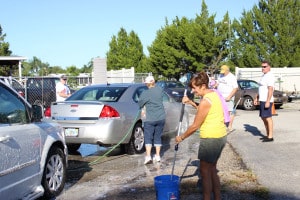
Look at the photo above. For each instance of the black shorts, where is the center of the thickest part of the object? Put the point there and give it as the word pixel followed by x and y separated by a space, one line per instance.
pixel 210 149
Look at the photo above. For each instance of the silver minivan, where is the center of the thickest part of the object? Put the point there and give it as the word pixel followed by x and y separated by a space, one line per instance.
pixel 33 158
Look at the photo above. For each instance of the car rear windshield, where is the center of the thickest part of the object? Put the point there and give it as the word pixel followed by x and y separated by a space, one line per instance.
pixel 106 94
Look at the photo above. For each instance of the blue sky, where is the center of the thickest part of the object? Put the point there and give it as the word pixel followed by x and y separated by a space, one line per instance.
pixel 72 32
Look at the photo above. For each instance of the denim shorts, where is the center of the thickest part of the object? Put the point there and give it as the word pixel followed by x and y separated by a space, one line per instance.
pixel 210 149
pixel 153 131
pixel 265 112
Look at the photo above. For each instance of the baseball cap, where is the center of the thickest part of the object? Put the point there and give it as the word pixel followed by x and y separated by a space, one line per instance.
pixel 64 77
pixel 149 79
pixel 224 68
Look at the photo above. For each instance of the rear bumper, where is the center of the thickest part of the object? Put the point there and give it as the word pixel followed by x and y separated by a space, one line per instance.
pixel 103 132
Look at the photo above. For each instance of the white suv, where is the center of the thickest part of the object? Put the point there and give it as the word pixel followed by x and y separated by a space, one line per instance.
pixel 33 157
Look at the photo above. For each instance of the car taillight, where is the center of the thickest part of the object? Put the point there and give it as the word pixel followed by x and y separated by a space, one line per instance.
pixel 109 111
pixel 47 112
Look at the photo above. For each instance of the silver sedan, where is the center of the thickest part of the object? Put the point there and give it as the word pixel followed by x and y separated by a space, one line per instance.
pixel 108 114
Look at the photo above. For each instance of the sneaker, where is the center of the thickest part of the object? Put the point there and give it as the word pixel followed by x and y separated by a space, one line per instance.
pixel 148 160
pixel 156 158
pixel 263 137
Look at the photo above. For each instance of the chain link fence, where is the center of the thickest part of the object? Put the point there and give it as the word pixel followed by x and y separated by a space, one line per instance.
pixel 42 90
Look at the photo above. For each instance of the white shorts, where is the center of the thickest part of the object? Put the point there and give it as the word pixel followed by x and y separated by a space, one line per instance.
pixel 230 105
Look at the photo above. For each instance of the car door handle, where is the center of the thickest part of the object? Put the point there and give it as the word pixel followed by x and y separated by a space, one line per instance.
pixel 5 139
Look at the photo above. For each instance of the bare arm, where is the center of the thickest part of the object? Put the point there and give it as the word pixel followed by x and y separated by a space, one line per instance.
pixel 270 94
pixel 232 93
pixel 186 100
pixel 62 94
pixel 201 114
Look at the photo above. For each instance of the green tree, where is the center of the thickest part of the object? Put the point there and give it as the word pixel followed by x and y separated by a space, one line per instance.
pixel 35 67
pixel 125 51
pixel 5 70
pixel 4 46
pixel 269 31
pixel 189 45
pixel 56 70
pixel 72 71
pixel 87 68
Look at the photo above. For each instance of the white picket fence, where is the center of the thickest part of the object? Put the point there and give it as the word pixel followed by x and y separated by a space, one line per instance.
pixel 287 79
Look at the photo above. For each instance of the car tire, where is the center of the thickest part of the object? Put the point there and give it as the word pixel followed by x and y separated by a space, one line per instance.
pixel 54 175
pixel 248 103
pixel 73 147
pixel 136 144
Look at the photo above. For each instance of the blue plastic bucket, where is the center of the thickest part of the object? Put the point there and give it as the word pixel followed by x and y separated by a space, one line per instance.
pixel 167 187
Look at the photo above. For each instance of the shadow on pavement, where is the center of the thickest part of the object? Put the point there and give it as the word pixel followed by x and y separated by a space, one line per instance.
pixel 253 130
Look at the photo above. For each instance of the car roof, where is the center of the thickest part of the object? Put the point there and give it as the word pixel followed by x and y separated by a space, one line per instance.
pixel 246 80
pixel 167 81
pixel 117 85
pixel 43 77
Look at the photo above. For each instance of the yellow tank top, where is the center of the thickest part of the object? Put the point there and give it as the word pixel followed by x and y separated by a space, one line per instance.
pixel 213 125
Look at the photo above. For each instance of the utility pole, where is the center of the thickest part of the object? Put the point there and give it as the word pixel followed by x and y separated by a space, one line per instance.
pixel 229 37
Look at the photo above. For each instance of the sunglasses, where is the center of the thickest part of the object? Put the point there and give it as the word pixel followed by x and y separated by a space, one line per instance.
pixel 264 66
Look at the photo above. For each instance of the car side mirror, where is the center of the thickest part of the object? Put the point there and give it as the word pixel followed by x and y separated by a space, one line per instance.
pixel 37 113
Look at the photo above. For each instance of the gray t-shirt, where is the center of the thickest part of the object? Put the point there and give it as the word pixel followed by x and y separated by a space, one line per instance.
pixel 152 99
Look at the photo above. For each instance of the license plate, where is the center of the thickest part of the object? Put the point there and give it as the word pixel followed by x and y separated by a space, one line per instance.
pixel 71 132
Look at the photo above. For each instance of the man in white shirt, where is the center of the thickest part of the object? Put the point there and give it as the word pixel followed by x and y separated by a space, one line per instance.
pixel 228 86
pixel 62 90
pixel 266 100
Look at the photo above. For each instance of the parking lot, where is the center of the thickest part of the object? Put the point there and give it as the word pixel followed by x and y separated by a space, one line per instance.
pixel 276 164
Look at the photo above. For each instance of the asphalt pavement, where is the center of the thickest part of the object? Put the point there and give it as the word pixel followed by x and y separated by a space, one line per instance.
pixel 276 164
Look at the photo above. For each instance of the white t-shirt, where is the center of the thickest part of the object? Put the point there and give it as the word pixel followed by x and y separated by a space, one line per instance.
pixel 226 84
pixel 267 80
pixel 61 88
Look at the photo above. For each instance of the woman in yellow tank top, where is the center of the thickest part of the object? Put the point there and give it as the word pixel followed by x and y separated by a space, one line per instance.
pixel 210 119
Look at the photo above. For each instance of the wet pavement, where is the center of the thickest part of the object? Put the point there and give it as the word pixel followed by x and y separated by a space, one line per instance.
pixel 92 176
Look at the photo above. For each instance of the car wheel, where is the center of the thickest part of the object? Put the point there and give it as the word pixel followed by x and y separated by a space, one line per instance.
pixel 136 143
pixel 54 176
pixel 73 147
pixel 248 103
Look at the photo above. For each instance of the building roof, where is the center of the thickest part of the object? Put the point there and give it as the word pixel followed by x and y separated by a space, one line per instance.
pixel 11 60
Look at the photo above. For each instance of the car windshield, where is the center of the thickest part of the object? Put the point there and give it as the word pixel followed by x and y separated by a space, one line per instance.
pixel 170 84
pixel 248 84
pixel 106 94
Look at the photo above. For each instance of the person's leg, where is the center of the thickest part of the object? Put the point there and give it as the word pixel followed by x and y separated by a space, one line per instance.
pixel 157 136
pixel 157 149
pixel 205 172
pixel 148 138
pixel 269 121
pixel 266 115
pixel 266 126
pixel 216 185
pixel 231 121
pixel 230 106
